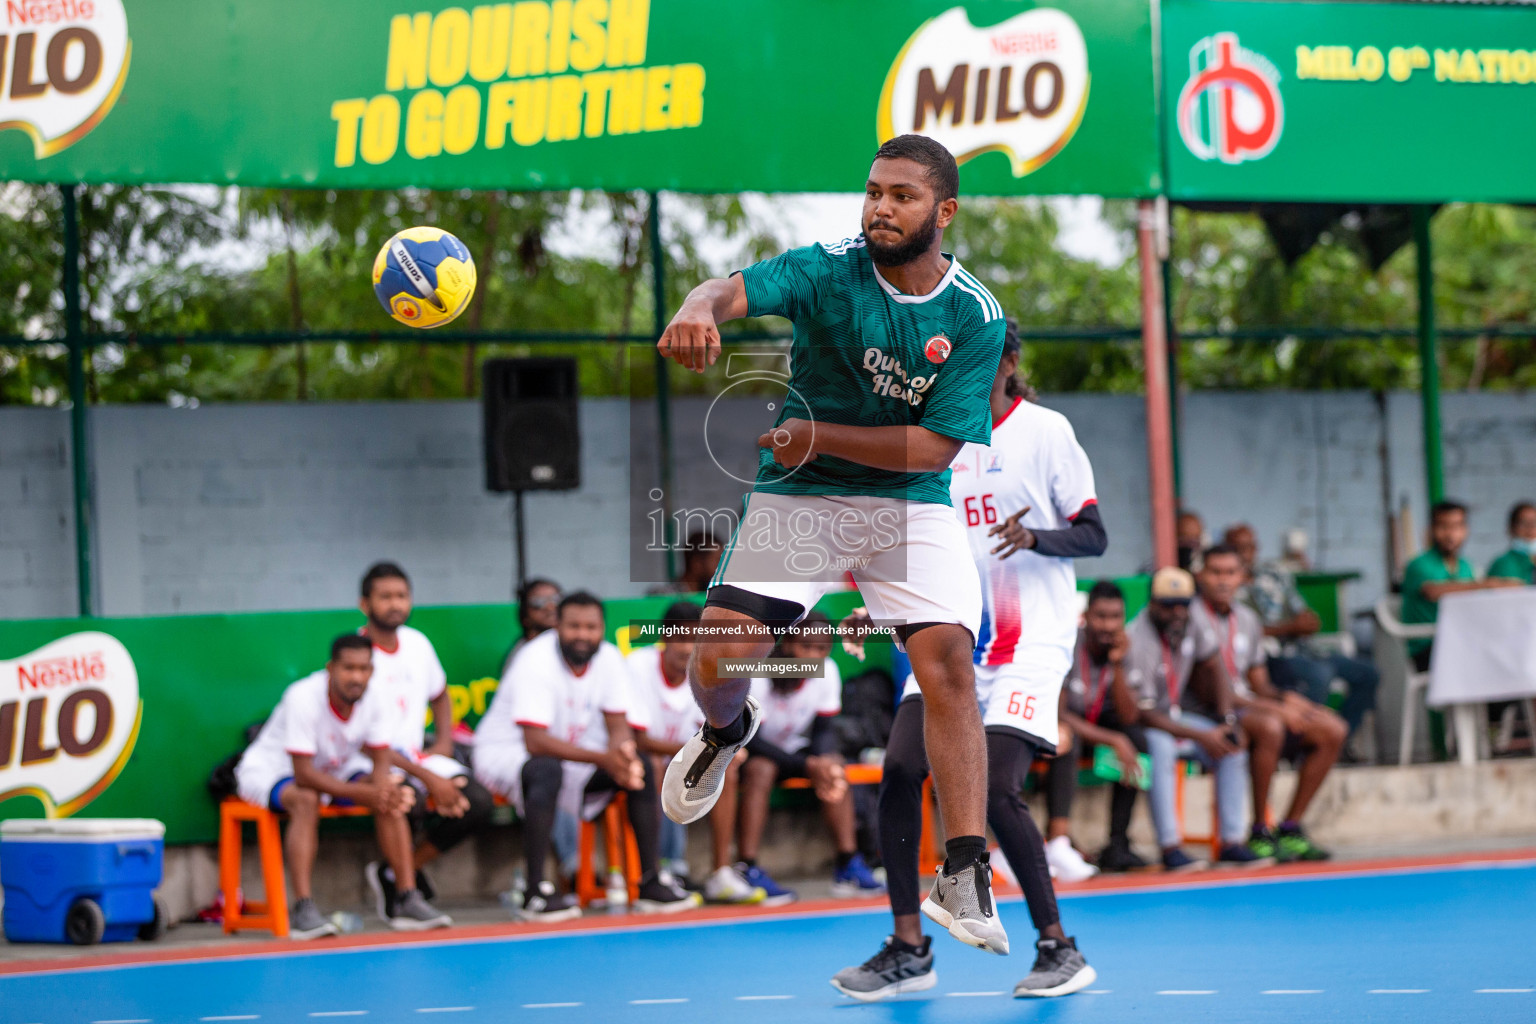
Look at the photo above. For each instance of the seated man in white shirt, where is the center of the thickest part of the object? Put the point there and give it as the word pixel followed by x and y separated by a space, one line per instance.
pixel 664 715
pixel 557 735
pixel 300 761
pixel 797 741
pixel 408 680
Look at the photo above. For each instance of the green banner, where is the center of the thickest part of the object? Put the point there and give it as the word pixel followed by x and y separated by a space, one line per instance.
pixel 1349 101
pixel 694 95
pixel 125 718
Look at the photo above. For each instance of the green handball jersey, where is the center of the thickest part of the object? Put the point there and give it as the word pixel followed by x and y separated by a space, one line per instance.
pixel 865 354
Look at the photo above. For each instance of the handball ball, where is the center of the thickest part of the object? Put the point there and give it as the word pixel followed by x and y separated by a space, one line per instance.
pixel 424 277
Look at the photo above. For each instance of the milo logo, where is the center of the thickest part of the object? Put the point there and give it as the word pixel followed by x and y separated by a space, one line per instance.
pixel 1018 87
pixel 69 717
pixel 62 66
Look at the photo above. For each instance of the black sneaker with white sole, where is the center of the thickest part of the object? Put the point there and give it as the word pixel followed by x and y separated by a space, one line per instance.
pixel 696 773
pixel 1059 970
pixel 660 894
pixel 414 914
pixel 962 904
pixel 896 970
pixel 546 905
pixel 381 882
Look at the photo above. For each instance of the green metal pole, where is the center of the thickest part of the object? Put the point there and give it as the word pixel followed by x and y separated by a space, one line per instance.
pixel 1429 357
pixel 663 388
pixel 75 340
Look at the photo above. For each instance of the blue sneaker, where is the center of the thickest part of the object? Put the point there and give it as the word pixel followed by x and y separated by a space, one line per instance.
pixel 760 879
pixel 1175 859
pixel 856 880
pixel 1241 855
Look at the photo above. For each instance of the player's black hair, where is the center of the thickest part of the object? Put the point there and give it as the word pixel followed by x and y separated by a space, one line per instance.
pixel 1016 386
pixel 1445 508
pixel 1216 551
pixel 943 173
pixel 381 571
pixel 680 613
pixel 350 642
pixel 1106 590
pixel 1514 513
pixel 580 599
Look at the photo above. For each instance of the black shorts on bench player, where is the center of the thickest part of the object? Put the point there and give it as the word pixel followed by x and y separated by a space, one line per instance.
pixel 409 681
pixel 556 736
pixel 1026 506
pixel 889 330
pixel 306 756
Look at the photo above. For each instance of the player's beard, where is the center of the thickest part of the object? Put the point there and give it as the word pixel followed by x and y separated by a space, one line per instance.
pixel 578 653
pixel 909 248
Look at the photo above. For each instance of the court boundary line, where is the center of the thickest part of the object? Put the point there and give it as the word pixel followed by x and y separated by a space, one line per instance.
pixel 513 931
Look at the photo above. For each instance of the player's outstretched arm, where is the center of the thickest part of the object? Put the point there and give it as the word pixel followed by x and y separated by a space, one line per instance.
pixel 693 336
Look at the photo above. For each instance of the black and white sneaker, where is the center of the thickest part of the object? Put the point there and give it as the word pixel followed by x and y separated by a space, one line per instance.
pixel 696 773
pixel 661 894
pixel 306 922
pixel 896 970
pixel 414 914
pixel 547 906
pixel 962 904
pixel 381 882
pixel 1059 970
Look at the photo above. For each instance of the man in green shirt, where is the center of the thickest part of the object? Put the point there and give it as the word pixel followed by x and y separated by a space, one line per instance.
pixel 894 355
pixel 1437 572
pixel 1519 562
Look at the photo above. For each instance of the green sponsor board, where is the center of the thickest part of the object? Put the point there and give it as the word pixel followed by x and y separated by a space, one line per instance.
pixel 1349 101
pixel 127 717
pixel 696 95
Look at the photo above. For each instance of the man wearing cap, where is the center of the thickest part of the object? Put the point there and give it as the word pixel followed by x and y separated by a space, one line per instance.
pixel 1158 665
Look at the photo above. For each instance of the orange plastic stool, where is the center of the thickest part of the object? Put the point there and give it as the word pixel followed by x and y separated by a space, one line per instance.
pixel 620 849
pixel 1214 838
pixel 271 913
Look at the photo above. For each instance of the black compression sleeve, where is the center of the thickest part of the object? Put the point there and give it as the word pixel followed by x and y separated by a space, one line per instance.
pixel 1085 538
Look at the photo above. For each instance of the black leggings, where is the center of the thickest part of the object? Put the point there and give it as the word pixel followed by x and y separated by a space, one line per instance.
pixel 1009 755
pixel 1061 785
pixel 542 777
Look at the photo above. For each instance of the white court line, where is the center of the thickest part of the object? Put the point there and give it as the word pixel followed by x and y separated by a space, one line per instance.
pixel 235 1016
pixel 654 1002
pixel 547 1006
pixel 1187 992
pixel 962 995
pixel 1398 991
pixel 1496 991
pixel 444 1009
pixel 137 1020
pixel 754 999
pixel 1293 992
pixel 339 1013
pixel 1097 991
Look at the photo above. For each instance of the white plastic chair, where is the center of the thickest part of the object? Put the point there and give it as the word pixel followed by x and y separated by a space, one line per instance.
pixel 1415 683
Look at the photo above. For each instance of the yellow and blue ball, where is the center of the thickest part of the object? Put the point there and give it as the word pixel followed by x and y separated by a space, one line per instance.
pixel 424 277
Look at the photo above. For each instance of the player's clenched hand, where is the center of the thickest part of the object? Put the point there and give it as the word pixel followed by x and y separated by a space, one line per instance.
pixel 827 777
pixel 791 442
pixel 1015 535
pixel 447 798
pixel 692 338
pixel 624 766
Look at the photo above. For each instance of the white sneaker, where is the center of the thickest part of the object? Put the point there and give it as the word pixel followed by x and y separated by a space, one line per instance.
pixel 696 773
pixel 1066 863
pixel 726 886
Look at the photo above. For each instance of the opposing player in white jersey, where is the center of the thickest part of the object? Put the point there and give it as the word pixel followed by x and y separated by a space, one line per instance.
pixel 664 714
pixel 1028 505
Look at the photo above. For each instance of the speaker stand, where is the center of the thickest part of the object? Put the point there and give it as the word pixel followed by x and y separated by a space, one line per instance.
pixel 518 530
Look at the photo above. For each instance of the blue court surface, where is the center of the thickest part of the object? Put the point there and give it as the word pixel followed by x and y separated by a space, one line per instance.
pixel 1446 945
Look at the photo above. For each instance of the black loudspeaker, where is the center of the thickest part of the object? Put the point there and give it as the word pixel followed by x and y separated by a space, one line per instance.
pixel 532 442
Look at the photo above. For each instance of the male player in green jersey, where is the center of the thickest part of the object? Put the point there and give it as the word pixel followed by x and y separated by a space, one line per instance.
pixel 894 353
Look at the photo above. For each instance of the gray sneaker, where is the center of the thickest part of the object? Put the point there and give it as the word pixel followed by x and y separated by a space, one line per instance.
pixel 414 914
pixel 962 904
pixel 306 922
pixel 1059 970
pixel 696 773
pixel 897 969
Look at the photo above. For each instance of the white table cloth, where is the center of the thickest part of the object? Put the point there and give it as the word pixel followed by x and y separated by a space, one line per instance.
pixel 1485 647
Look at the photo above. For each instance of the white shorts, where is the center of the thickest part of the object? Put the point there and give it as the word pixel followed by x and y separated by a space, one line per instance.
pixel 910 559
pixel 1024 695
pixel 500 770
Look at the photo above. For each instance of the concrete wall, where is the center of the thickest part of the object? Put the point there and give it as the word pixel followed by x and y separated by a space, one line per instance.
pixel 249 507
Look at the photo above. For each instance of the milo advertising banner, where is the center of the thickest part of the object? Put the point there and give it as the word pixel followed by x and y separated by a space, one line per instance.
pixel 126 718
pixel 1349 101
pixel 772 95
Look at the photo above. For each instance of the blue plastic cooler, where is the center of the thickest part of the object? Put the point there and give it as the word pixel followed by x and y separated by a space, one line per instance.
pixel 82 880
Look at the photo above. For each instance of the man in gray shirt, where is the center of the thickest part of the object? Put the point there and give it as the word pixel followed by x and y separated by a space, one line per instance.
pixel 1159 663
